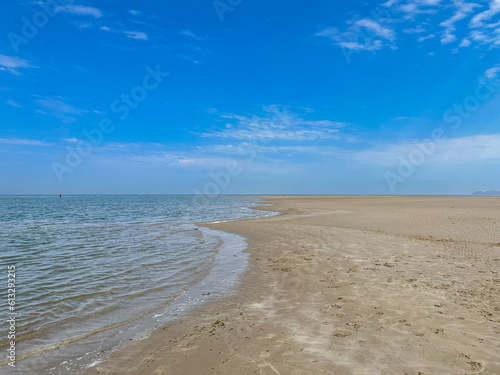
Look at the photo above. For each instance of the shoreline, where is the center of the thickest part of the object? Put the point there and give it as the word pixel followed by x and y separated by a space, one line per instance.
pixel 227 262
pixel 328 289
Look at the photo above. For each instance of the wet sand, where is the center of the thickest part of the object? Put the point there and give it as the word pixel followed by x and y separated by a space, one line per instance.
pixel 346 285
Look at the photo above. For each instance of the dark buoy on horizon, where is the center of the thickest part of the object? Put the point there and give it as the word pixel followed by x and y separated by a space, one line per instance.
pixel 60 195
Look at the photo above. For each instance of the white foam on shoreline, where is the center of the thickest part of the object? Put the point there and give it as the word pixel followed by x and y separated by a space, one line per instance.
pixel 230 263
pixel 245 218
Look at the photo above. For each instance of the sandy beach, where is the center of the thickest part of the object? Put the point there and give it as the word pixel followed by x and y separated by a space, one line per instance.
pixel 346 285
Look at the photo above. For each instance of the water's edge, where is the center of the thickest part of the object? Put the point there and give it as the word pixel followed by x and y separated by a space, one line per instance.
pixel 230 262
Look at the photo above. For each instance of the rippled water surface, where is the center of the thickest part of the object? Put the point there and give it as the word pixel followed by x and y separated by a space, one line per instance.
pixel 88 264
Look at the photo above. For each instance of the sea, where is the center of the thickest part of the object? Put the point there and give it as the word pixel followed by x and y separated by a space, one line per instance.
pixel 93 271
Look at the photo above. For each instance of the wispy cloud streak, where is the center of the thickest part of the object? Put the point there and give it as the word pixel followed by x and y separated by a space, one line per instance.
pixel 449 151
pixel 276 125
pixel 79 10
pixel 433 17
pixel 12 64
pixel 24 142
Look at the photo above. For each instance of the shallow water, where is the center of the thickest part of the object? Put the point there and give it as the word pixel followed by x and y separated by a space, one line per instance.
pixel 92 269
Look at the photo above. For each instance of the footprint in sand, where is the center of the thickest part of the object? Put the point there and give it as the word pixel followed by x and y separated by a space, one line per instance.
pixel 342 334
pixel 476 366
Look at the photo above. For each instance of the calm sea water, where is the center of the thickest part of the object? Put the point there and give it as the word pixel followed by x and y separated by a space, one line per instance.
pixel 98 269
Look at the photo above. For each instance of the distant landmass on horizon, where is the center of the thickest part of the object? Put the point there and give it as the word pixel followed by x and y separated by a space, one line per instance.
pixel 495 193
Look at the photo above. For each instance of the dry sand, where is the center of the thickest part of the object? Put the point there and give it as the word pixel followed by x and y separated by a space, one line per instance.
pixel 347 285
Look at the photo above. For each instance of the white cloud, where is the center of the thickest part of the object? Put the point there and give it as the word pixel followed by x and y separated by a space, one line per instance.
pixel 465 43
pixel 139 35
pixel 120 146
pixel 194 61
pixel 414 8
pixel 448 37
pixel 483 37
pixel 430 36
pixel 80 10
pixel 12 64
pixel 84 25
pixel 276 125
pixel 416 30
pixel 71 140
pixel 13 103
pixel 266 149
pixel 492 73
pixel 57 107
pixel 365 34
pixel 478 25
pixel 479 36
pixel 478 20
pixel 191 34
pixel 389 3
pixel 376 28
pixel 463 10
pixel 136 35
pixel 23 142
pixel 200 160
pixel 135 12
pixel 449 151
pixel 181 159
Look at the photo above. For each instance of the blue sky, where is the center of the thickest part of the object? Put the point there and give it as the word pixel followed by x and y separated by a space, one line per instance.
pixel 231 96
